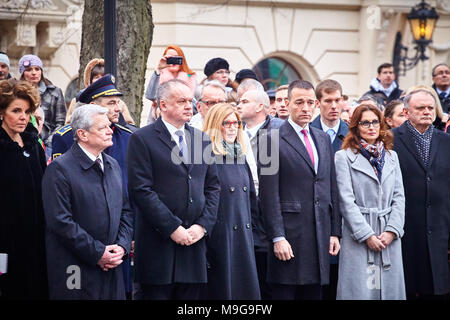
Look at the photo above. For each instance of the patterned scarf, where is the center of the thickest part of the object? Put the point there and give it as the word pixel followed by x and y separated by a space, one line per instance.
pixel 233 150
pixel 375 154
pixel 422 141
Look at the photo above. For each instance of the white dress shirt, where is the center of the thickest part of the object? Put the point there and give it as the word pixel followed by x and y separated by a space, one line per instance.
pixel 92 157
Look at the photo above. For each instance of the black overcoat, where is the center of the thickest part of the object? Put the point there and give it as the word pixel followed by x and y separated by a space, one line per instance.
pixel 427 212
pixel 167 194
pixel 85 211
pixel 302 206
pixel 232 271
pixel 22 225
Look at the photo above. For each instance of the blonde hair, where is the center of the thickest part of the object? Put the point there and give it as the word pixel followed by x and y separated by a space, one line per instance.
pixel 439 113
pixel 212 126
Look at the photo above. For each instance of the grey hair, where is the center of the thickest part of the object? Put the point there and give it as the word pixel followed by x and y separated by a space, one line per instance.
pixel 408 97
pixel 83 117
pixel 164 91
pixel 261 97
pixel 249 84
pixel 213 83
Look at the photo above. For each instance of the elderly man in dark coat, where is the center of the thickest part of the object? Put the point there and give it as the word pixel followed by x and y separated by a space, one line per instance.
pixel 173 182
pixel 299 202
pixel 424 160
pixel 89 222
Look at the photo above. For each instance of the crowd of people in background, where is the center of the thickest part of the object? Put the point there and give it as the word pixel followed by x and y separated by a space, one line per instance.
pixel 228 192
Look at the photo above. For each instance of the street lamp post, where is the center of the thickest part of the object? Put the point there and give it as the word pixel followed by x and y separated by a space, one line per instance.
pixel 422 20
pixel 110 37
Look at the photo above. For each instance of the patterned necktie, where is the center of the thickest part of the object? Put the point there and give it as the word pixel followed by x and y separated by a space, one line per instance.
pixel 181 144
pixel 308 145
pixel 331 134
pixel 98 162
pixel 442 95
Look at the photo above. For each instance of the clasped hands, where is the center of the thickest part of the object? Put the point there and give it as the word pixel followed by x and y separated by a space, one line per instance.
pixel 378 243
pixel 187 237
pixel 112 257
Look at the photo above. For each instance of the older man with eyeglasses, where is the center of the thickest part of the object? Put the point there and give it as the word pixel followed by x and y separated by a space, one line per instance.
pixel 213 92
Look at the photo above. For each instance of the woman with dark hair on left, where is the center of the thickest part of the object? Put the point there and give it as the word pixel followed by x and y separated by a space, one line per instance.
pixel 22 165
pixel 372 204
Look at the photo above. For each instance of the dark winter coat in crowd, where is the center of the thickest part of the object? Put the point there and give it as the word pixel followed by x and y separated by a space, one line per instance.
pixel 85 210
pixel 231 260
pixel 166 195
pixel 427 212
pixel 54 107
pixel 376 89
pixel 258 143
pixel 301 206
pixel 445 101
pixel 22 225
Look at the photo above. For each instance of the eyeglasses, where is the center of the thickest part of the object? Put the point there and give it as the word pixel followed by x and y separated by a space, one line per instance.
pixel 366 124
pixel 441 73
pixel 211 103
pixel 228 124
pixel 221 72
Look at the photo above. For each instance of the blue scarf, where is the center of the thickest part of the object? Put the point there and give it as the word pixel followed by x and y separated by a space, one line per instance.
pixel 374 153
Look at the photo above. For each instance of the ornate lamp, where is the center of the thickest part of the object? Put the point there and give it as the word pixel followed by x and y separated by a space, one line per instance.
pixel 422 20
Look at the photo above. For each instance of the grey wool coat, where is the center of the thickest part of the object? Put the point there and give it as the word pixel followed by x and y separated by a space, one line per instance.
pixel 368 208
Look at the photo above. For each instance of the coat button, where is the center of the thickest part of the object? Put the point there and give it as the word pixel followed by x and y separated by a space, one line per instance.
pixel 245 189
pixel 191 200
pixel 235 227
pixel 247 225
pixel 316 202
pixel 428 178
pixel 232 189
pixel 189 177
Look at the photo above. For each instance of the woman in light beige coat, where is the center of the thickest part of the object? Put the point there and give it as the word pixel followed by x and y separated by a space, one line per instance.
pixel 372 204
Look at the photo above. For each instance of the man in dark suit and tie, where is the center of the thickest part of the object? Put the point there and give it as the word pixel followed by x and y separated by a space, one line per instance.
pixel 329 97
pixel 299 202
pixel 330 101
pixel 173 183
pixel 424 152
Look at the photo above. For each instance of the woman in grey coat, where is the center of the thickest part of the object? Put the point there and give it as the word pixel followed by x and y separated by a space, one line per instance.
pixel 372 204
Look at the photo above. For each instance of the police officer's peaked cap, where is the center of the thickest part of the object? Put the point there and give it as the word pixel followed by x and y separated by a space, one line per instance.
pixel 103 87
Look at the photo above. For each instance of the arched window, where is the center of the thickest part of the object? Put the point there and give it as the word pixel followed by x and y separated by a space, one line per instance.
pixel 274 72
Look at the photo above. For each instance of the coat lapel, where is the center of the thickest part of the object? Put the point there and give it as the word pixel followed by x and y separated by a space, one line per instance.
pixel 408 141
pixel 288 133
pixel 165 137
pixel 320 144
pixel 434 146
pixel 389 166
pixel 361 164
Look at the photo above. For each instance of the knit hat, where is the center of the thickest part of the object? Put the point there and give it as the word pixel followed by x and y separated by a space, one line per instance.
pixel 4 59
pixel 245 73
pixel 29 60
pixel 215 64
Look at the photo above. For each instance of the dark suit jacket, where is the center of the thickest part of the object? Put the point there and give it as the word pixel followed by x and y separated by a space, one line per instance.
pixel 167 195
pixel 85 211
pixel 259 143
pixel 302 206
pixel 427 212
pixel 340 135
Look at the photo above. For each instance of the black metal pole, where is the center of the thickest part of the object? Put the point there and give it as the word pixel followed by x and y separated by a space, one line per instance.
pixel 110 37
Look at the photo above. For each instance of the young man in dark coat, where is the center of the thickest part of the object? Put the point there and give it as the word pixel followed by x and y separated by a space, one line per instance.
pixel 424 153
pixel 299 202
pixel 384 85
pixel 330 102
pixel 89 221
pixel 173 183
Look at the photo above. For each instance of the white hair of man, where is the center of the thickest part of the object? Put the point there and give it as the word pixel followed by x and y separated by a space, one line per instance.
pixel 247 85
pixel 408 97
pixel 83 117
pixel 213 83
pixel 261 97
